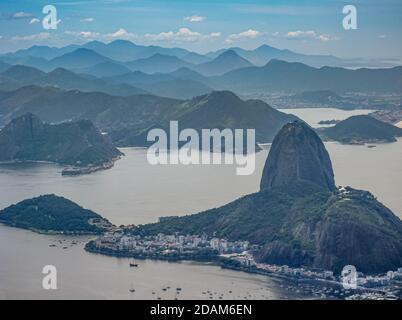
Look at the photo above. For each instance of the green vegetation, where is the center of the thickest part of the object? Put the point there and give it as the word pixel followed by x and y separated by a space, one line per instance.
pixel 295 229
pixel 52 214
pixel 259 217
pixel 74 143
pixel 362 129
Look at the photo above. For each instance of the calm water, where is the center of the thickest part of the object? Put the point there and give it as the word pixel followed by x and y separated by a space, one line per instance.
pixel 136 192
pixel 313 116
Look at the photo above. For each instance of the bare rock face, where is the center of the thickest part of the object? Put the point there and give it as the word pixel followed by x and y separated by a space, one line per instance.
pixel 338 229
pixel 297 155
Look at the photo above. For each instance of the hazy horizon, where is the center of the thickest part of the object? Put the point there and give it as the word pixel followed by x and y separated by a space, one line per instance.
pixel 308 26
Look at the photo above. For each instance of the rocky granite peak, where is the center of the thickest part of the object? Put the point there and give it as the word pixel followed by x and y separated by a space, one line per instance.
pixel 297 155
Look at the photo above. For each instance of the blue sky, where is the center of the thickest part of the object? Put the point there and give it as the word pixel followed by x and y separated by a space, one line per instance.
pixel 313 26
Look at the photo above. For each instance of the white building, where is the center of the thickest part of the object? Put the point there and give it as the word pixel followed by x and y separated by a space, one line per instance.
pixel 214 243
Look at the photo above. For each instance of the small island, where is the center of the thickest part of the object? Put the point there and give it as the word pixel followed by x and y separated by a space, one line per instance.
pixel 54 215
pixel 361 129
pixel 79 145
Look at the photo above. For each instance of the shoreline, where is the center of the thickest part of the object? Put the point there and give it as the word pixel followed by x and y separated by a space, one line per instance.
pixel 72 171
pixel 49 232
pixel 298 282
pixel 69 170
pixel 307 287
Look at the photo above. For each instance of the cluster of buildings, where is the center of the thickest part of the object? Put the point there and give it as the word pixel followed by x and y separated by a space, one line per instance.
pixel 366 281
pixel 380 280
pixel 162 244
pixel 237 253
pixel 369 287
pixel 297 272
pixel 245 259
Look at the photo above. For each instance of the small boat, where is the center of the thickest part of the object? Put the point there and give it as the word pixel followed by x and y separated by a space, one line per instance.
pixel 132 290
pixel 133 264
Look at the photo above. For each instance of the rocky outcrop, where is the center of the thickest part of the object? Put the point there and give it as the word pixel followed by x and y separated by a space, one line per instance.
pixel 53 214
pixel 351 227
pixel 362 129
pixel 299 218
pixel 72 143
pixel 297 155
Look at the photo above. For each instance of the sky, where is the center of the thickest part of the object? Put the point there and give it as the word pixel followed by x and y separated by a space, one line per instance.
pixel 306 26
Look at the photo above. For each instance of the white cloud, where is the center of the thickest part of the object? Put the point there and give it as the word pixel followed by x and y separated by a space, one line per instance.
pixel 195 18
pixel 22 15
pixel 32 37
pixel 89 20
pixel 34 20
pixel 249 34
pixel 308 35
pixel 82 34
pixel 120 34
pixel 382 36
pixel 182 35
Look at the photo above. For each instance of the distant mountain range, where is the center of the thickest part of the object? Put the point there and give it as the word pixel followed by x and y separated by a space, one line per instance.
pixel 128 119
pixel 4 66
pixel 183 83
pixel 80 58
pixel 261 55
pixel 225 62
pixel 124 68
pixel 281 76
pixel 90 61
pixel 157 63
pixel 123 51
pixel 19 76
pixel 313 85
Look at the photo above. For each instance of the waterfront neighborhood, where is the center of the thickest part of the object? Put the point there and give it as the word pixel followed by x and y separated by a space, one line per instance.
pixel 170 247
pixel 238 255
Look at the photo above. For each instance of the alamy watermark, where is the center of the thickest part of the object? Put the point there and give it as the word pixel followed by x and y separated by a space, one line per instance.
pixel 349 277
pixel 350 20
pixel 49 281
pixel 215 146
